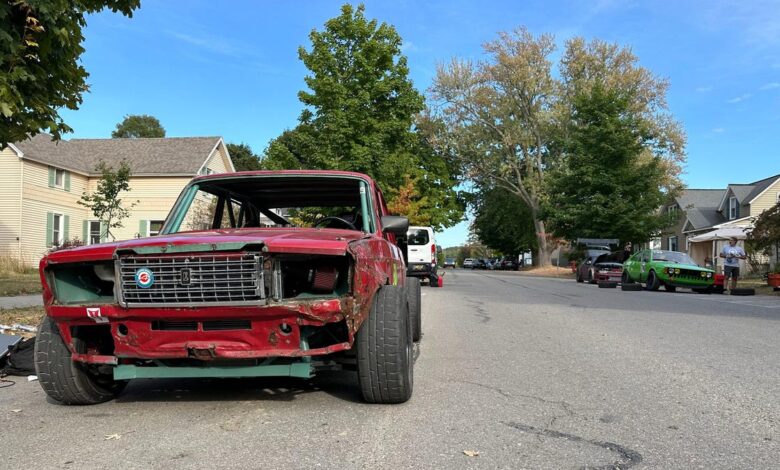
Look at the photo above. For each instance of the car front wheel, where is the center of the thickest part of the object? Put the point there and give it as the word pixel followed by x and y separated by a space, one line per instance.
pixel 66 381
pixel 652 282
pixel 384 344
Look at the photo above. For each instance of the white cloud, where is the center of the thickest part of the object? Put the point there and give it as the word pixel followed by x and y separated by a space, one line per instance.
pixel 703 89
pixel 737 99
pixel 719 130
pixel 211 44
pixel 771 86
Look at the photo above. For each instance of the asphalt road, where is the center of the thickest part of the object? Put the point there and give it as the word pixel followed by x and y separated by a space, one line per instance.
pixel 529 372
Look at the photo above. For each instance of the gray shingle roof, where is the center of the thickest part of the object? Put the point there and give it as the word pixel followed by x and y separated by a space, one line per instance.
pixel 701 207
pixel 759 187
pixel 160 156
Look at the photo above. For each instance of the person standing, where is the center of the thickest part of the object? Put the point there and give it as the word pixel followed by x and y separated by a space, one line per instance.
pixel 732 254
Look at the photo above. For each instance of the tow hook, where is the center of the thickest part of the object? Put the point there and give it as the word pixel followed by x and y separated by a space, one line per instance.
pixel 204 354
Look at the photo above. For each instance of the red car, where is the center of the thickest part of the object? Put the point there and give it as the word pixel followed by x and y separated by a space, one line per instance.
pixel 600 266
pixel 253 274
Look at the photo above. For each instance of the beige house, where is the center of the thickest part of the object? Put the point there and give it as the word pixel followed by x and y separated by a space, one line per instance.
pixel 41 182
pixel 701 211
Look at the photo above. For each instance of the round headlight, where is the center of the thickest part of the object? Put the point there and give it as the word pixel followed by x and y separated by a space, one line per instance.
pixel 670 270
pixel 677 271
pixel 709 274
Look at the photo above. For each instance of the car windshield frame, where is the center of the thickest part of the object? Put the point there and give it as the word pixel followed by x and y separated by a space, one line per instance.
pixel 676 257
pixel 216 186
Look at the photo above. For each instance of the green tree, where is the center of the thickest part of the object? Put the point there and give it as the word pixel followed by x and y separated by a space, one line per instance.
pixel 360 110
pixel 104 202
pixel 502 222
pixel 610 182
pixel 244 159
pixel 508 117
pixel 40 47
pixel 138 125
pixel 765 234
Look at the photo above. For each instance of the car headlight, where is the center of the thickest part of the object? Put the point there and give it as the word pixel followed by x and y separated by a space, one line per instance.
pixel 703 274
pixel 677 271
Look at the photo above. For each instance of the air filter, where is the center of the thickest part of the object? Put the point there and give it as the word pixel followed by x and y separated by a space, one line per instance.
pixel 324 279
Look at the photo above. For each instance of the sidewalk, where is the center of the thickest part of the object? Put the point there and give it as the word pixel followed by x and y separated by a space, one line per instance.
pixel 21 301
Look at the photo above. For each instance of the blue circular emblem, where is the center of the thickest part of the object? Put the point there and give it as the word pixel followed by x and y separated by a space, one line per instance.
pixel 144 278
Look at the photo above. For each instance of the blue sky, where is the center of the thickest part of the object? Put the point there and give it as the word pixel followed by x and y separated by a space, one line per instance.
pixel 231 68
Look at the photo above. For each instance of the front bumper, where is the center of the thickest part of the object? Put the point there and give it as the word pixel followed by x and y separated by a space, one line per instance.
pixel 205 333
pixel 420 270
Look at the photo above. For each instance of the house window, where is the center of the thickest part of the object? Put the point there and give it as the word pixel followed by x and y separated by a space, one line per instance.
pixel 94 232
pixel 57 229
pixel 59 178
pixel 154 227
pixel 673 244
pixel 672 210
pixel 207 171
pixel 733 208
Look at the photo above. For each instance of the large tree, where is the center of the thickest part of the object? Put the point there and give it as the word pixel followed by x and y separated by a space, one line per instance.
pixel 765 234
pixel 502 222
pixel 244 159
pixel 138 125
pixel 508 117
pixel 609 183
pixel 40 47
pixel 360 111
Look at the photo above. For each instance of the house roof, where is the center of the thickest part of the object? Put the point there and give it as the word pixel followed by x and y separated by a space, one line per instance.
pixel 746 193
pixel 147 156
pixel 690 198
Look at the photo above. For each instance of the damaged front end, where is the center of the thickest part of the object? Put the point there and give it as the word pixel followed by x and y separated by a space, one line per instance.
pixel 177 311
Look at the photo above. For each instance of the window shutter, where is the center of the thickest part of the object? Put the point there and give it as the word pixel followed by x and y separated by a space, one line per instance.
pixel 85 232
pixel 143 228
pixel 67 181
pixel 51 177
pixel 66 229
pixel 49 226
pixel 103 232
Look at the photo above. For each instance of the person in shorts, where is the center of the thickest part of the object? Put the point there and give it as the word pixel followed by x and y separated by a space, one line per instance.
pixel 732 254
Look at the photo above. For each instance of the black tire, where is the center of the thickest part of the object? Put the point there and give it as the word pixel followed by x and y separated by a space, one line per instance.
pixel 652 282
pixel 631 286
pixel 669 288
pixel 607 285
pixel 590 277
pixel 434 280
pixel 625 278
pixel 66 381
pixel 743 291
pixel 384 349
pixel 414 296
pixel 578 277
pixel 718 289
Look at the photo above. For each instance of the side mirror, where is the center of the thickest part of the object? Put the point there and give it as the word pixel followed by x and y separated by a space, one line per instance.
pixel 589 262
pixel 395 224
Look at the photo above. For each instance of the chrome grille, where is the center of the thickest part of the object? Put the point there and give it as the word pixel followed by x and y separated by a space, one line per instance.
pixel 192 279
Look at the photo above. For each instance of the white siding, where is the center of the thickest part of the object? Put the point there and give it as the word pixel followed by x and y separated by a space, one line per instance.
pixel 10 212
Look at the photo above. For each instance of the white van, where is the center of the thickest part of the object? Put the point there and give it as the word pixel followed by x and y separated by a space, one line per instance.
pixel 421 254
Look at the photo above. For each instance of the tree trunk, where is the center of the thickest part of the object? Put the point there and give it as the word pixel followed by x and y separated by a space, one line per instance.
pixel 543 254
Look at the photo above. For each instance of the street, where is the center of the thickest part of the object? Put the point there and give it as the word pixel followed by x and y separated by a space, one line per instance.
pixel 527 372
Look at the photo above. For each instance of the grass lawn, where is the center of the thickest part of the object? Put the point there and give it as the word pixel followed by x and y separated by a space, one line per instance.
pixel 24 315
pixel 19 283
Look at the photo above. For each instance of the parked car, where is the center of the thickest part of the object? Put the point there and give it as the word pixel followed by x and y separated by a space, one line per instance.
pixel 601 267
pixel 479 263
pixel 232 288
pixel 583 271
pixel 509 263
pixel 670 269
pixel 421 254
pixel 449 263
pixel 468 263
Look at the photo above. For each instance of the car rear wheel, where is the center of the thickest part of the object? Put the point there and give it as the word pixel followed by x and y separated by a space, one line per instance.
pixel 66 381
pixel 590 277
pixel 652 282
pixel 414 297
pixel 384 349
pixel 578 276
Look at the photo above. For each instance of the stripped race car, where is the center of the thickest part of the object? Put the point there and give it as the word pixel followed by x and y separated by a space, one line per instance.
pixel 670 269
pixel 253 274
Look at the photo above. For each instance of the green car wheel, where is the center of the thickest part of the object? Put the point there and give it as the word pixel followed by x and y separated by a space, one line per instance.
pixel 652 282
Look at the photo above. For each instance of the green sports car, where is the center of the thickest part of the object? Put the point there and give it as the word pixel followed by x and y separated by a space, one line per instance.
pixel 671 269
